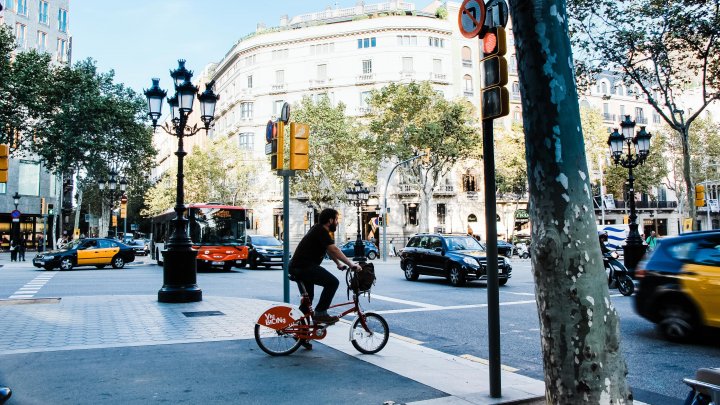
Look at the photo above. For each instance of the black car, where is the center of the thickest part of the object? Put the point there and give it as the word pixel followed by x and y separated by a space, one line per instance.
pixel 140 246
pixel 264 251
pixel 98 252
pixel 458 258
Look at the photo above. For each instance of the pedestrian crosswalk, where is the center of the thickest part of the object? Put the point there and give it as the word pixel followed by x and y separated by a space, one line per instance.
pixel 32 287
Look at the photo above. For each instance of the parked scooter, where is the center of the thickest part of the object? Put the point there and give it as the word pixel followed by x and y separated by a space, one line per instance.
pixel 705 388
pixel 522 250
pixel 618 277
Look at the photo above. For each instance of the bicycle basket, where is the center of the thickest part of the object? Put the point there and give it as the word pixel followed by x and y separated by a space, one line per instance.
pixel 361 281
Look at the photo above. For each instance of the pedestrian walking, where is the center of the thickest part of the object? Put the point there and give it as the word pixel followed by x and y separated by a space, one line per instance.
pixel 651 241
pixel 40 243
pixel 13 250
pixel 392 248
pixel 21 250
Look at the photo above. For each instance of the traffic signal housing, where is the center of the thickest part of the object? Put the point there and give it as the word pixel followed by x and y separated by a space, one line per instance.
pixel 277 155
pixel 43 207
pixel 51 209
pixel 495 97
pixel 699 195
pixel 4 162
pixel 299 146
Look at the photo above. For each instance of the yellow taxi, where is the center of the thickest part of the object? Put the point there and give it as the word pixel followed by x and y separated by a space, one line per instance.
pixel 98 252
pixel 679 285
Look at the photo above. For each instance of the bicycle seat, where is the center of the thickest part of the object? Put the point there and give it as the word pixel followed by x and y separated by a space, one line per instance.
pixel 709 375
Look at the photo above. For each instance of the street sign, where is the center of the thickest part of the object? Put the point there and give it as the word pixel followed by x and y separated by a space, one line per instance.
pixel 285 113
pixel 15 214
pixel 471 17
pixel 268 148
pixel 269 132
pixel 713 205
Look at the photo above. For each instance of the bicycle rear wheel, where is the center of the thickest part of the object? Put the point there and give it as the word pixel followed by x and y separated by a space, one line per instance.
pixel 276 342
pixel 375 338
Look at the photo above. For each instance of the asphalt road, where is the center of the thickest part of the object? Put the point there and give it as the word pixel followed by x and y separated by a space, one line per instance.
pixel 453 320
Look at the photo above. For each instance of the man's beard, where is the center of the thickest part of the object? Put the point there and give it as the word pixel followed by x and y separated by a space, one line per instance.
pixel 332 227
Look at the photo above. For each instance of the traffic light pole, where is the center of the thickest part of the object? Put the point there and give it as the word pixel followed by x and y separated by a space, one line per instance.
pixel 493 288
pixel 286 174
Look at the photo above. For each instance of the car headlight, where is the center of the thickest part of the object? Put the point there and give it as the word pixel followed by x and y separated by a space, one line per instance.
pixel 470 261
pixel 260 250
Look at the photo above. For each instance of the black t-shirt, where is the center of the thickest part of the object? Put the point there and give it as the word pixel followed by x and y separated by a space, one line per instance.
pixel 312 248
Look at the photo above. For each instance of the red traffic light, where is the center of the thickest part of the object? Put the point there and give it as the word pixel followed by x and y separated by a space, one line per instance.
pixel 489 43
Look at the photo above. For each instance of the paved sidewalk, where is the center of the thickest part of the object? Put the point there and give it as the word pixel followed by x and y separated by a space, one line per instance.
pixel 49 347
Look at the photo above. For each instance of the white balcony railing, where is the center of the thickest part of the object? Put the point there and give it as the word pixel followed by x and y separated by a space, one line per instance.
pixel 366 78
pixel 278 88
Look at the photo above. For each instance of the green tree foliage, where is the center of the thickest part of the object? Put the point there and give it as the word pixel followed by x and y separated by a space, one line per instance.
pixel 408 119
pixel 511 166
pixel 662 48
pixel 340 152
pixel 220 173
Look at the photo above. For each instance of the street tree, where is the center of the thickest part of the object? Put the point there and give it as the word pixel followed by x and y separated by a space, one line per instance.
pixel 341 151
pixel 511 173
pixel 580 334
pixel 666 51
pixel 410 119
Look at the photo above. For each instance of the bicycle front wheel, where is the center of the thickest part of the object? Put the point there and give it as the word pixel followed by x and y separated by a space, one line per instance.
pixel 372 339
pixel 276 342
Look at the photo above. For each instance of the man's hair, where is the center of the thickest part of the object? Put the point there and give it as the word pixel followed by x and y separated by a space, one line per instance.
pixel 326 215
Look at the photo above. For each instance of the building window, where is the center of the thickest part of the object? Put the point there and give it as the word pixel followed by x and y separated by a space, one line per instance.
pixel 61 50
pixel 250 60
pixel 407 40
pixel 441 211
pixel 279 54
pixel 277 107
pixel 436 42
pixel 364 97
pixel 517 115
pixel 469 182
pixel 466 56
pixel 42 41
pixel 29 178
pixel 603 88
pixel 516 89
pixel 366 43
pixel 246 110
pixel 619 90
pixel 62 20
pixel 407 65
pixel 639 113
pixel 279 77
pixel 249 82
pixel 468 84
pixel 322 72
pixel 437 66
pixel 322 49
pixel 22 7
pixel 656 118
pixel 622 111
pixel 367 66
pixel 10 4
pixel 43 12
pixel 20 31
pixel 245 140
pixel 411 217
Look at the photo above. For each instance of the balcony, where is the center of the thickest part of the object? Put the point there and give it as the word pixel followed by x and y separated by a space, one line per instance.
pixel 515 96
pixel 278 88
pixel 609 117
pixel 655 205
pixel 641 120
pixel 365 78
pixel 407 75
pixel 444 191
pixel 472 195
pixel 363 111
pixel 318 84
pixel 407 190
pixel 467 63
pixel 468 93
pixel 440 78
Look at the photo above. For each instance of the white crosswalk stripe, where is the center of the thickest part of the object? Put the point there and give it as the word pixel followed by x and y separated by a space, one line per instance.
pixel 32 287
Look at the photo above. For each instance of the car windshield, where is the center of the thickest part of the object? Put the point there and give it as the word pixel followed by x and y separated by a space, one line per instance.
pixel 73 244
pixel 137 243
pixel 265 241
pixel 463 243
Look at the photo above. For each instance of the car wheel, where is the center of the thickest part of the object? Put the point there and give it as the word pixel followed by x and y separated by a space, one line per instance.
pixel 410 271
pixel 372 255
pixel 118 262
pixel 456 276
pixel 677 321
pixel 66 263
pixel 252 261
pixel 99 266
pixel 502 281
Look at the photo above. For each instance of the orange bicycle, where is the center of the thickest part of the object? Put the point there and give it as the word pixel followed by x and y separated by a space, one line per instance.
pixel 282 329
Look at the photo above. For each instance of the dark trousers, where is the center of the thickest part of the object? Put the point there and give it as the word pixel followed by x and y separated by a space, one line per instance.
pixel 317 275
pixel 13 255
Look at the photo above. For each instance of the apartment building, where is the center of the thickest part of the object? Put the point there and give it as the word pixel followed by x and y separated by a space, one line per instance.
pixel 42 25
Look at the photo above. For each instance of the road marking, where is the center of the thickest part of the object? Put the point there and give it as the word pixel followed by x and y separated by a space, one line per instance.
pixel 32 287
pixel 406 302
pixel 486 362
pixel 437 308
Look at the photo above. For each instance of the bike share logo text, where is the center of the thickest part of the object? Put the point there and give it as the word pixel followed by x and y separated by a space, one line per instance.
pixel 272 319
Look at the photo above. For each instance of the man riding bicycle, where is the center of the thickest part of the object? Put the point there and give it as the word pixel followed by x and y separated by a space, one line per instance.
pixel 309 254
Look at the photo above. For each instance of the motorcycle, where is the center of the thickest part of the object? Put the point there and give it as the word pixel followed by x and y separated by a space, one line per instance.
pixel 618 277
pixel 705 388
pixel 522 250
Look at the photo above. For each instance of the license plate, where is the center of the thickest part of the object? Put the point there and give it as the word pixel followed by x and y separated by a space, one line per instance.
pixel 276 259
pixel 218 263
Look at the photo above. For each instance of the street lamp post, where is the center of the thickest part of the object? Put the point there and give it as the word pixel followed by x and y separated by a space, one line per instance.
pixel 633 249
pixel 358 195
pixel 179 264
pixel 16 221
pixel 109 190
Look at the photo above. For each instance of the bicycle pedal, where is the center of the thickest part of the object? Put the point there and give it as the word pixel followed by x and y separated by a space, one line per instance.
pixel 320 332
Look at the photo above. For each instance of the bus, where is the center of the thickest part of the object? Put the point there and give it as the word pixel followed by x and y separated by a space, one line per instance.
pixel 217 233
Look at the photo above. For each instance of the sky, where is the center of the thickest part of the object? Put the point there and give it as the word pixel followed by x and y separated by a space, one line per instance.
pixel 142 39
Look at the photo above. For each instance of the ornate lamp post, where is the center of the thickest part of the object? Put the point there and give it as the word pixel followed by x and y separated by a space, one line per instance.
pixel 109 189
pixel 633 248
pixel 16 221
pixel 358 196
pixel 180 267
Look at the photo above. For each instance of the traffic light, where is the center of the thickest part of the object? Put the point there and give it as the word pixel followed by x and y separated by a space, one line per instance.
pixel 123 210
pixel 50 209
pixel 114 219
pixel 495 97
pixel 277 155
pixel 42 206
pixel 699 195
pixel 299 146
pixel 4 162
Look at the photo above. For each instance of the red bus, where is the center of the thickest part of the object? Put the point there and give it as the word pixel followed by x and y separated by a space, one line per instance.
pixel 217 233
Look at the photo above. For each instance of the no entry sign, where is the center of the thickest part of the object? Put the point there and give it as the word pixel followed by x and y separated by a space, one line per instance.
pixel 471 17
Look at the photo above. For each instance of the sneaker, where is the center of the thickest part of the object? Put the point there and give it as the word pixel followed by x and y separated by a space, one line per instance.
pixel 325 318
